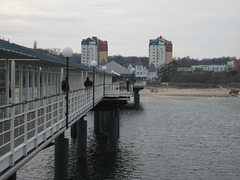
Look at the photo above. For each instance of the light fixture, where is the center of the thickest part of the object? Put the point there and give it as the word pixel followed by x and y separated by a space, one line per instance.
pixel 93 64
pixel 133 70
pixel 104 69
pixel 67 53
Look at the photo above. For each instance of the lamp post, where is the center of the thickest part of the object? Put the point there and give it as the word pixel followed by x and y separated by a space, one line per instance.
pixel 67 53
pixel 133 71
pixel 112 78
pixel 104 69
pixel 93 64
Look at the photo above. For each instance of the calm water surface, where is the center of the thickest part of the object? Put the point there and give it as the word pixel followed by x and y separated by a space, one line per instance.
pixel 167 138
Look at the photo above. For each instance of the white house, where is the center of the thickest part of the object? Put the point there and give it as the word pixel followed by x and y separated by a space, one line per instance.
pixel 211 68
pixel 152 74
pixel 140 70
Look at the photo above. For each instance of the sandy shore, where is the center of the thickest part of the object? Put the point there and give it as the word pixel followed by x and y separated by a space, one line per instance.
pixel 217 92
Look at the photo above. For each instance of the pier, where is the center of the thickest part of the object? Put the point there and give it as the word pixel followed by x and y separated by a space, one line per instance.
pixel 35 112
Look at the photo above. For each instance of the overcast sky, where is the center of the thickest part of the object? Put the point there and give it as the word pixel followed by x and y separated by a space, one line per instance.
pixel 197 28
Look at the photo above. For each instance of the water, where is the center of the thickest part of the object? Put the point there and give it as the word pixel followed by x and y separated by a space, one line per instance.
pixel 167 138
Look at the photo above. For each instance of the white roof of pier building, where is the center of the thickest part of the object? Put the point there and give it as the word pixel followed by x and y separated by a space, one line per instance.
pixel 113 66
pixel 30 56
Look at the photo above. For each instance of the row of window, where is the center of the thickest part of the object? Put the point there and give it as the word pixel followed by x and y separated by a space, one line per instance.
pixel 216 68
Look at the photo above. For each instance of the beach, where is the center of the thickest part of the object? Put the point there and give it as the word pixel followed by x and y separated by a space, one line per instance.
pixel 209 92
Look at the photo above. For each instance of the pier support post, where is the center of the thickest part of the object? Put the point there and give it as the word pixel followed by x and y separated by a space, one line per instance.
pixel 112 131
pixel 136 98
pixel 74 131
pixel 61 158
pixel 82 138
pixel 103 120
pixel 13 176
pixel 97 121
pixel 117 121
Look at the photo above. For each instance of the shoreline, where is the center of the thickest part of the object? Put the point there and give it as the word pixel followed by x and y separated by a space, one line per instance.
pixel 210 92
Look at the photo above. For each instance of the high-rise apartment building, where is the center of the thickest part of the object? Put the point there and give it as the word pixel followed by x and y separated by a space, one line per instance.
pixel 160 51
pixel 88 51
pixel 94 49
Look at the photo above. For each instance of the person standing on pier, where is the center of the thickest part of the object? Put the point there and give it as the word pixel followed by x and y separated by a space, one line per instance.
pixel 87 83
pixel 128 83
pixel 65 85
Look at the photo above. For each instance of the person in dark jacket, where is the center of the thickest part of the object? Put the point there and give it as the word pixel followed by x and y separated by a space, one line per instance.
pixel 128 84
pixel 87 83
pixel 65 85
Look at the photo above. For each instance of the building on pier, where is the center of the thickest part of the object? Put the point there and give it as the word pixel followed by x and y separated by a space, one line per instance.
pixel 36 74
pixel 34 112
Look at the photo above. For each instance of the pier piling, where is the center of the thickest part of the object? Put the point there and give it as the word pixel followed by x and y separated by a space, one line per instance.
pixel 117 121
pixel 61 158
pixel 136 98
pixel 74 131
pixel 82 138
pixel 112 131
pixel 97 121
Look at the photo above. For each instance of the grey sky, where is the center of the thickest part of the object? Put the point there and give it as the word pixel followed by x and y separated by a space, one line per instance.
pixel 199 29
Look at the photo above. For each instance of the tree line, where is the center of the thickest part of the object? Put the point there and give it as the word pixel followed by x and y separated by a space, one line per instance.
pixel 181 61
pixel 169 73
pixel 188 61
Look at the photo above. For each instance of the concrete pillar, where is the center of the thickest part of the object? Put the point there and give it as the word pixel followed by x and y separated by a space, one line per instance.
pixel 136 98
pixel 97 121
pixel 74 131
pixel 61 158
pixel 112 131
pixel 117 121
pixel 103 120
pixel 82 138
pixel 13 176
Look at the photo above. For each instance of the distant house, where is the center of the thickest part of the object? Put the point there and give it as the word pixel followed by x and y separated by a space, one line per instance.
pixel 140 70
pixel 233 65
pixel 103 63
pixel 152 74
pixel 236 65
pixel 211 68
pixel 184 69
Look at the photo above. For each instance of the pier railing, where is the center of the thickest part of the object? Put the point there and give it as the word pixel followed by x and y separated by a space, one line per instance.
pixel 25 125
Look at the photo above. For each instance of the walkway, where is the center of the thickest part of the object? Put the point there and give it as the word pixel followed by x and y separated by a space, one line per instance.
pixel 32 106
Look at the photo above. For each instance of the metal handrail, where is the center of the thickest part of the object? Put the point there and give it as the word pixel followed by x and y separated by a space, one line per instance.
pixel 28 124
pixel 37 120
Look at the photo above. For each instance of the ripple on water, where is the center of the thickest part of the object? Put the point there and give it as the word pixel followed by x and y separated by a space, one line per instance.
pixel 167 138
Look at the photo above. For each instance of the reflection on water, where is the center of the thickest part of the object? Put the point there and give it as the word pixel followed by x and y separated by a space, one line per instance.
pixel 167 138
